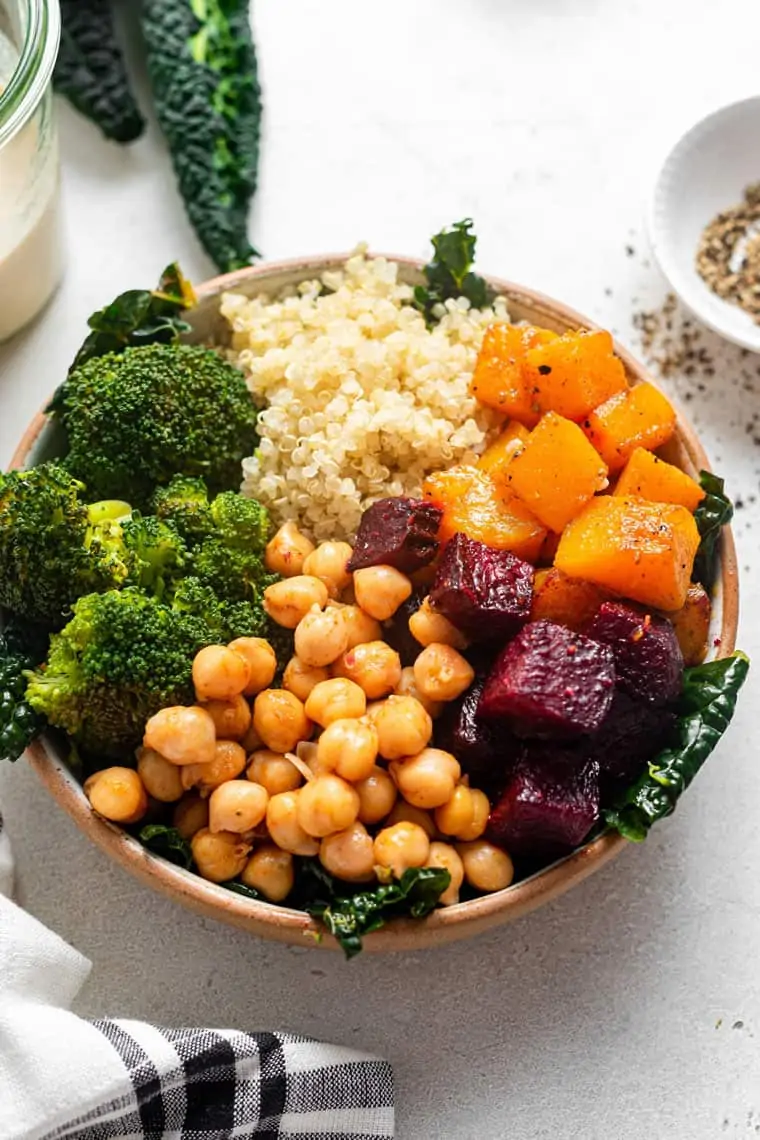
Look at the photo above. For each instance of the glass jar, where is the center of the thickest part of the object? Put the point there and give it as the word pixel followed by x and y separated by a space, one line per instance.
pixel 30 243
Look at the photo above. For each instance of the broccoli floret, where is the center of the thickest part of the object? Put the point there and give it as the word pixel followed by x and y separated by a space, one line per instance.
pixel 185 504
pixel 234 575
pixel 224 619
pixel 241 523
pixel 53 547
pixel 158 554
pixel 137 418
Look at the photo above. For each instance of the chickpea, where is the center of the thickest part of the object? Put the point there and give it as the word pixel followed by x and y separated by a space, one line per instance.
pixel 380 590
pixel 251 742
pixel 237 806
pixel 274 772
pixel 428 779
pixel 261 660
pixel 182 735
pixel 403 812
pixel 117 794
pixel 329 562
pixel 481 809
pixel 219 674
pixel 321 636
pixel 219 856
pixel 403 727
pixel 270 871
pixel 349 854
pixel 427 627
pixel 161 779
pixel 377 795
pixel 457 816
pixel 407 687
pixel 300 679
pixel 446 856
pixel 284 828
pixel 400 847
pixel 190 815
pixel 327 804
pixel 373 665
pixel 288 601
pixel 286 551
pixel 361 627
pixel 280 720
pixel 348 748
pixel 336 699
pixel 228 763
pixel 232 719
pixel 442 674
pixel 486 867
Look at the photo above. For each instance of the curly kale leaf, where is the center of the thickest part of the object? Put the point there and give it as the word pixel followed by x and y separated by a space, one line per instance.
pixel 21 648
pixel 90 70
pixel 714 512
pixel 168 843
pixel 705 709
pixel 348 915
pixel 202 67
pixel 450 274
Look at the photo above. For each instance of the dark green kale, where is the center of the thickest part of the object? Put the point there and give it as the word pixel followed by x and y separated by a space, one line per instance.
pixel 138 317
pixel 90 69
pixel 450 274
pixel 350 914
pixel 713 513
pixel 202 67
pixel 21 648
pixel 168 843
pixel 705 709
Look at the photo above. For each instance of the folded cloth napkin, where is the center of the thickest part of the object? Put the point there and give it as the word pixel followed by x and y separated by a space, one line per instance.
pixel 62 1076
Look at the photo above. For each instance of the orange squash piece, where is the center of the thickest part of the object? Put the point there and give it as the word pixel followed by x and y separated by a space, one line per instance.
pixel 475 505
pixel 692 625
pixel 651 478
pixel 496 457
pixel 567 601
pixel 574 373
pixel 498 380
pixel 556 472
pixel 640 417
pixel 639 550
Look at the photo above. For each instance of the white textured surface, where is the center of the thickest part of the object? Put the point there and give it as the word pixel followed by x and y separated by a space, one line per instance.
pixel 608 1014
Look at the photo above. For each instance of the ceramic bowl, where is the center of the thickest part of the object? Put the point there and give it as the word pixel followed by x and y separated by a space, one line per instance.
pixel 281 923
pixel 706 172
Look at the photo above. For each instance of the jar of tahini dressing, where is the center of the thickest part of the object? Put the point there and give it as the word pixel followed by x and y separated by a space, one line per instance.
pixel 30 245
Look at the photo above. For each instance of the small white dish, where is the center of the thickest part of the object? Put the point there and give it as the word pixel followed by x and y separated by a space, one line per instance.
pixel 706 172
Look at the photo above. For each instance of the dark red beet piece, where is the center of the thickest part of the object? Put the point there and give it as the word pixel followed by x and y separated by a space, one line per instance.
pixel 478 745
pixel 550 682
pixel 397 532
pixel 648 658
pixel 632 734
pixel 485 593
pixel 549 805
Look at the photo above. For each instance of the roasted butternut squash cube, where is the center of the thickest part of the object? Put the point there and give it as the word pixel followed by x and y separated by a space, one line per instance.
pixel 498 378
pixel 640 417
pixel 651 478
pixel 574 373
pixel 496 457
pixel 567 601
pixel 556 472
pixel 692 625
pixel 475 505
pixel 639 550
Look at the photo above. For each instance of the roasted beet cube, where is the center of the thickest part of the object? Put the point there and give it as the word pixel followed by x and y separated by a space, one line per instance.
pixel 632 734
pixel 648 658
pixel 478 745
pixel 549 805
pixel 486 593
pixel 550 682
pixel 397 532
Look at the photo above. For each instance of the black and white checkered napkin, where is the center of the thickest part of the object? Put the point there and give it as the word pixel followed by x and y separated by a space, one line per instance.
pixel 62 1076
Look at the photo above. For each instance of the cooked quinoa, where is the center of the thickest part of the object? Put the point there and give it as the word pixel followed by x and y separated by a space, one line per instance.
pixel 359 398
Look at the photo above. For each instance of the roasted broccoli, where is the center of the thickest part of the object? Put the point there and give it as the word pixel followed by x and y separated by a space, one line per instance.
pixel 136 419
pixel 185 504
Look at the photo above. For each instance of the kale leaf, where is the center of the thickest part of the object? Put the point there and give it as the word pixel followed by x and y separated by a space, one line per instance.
pixel 713 513
pixel 242 889
pixel 349 915
pixel 450 274
pixel 168 843
pixel 705 709
pixel 21 648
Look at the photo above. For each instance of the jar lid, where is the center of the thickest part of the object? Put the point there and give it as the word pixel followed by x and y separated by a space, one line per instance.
pixel 29 82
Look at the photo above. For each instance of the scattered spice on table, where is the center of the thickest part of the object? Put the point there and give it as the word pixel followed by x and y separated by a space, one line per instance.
pixel 728 255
